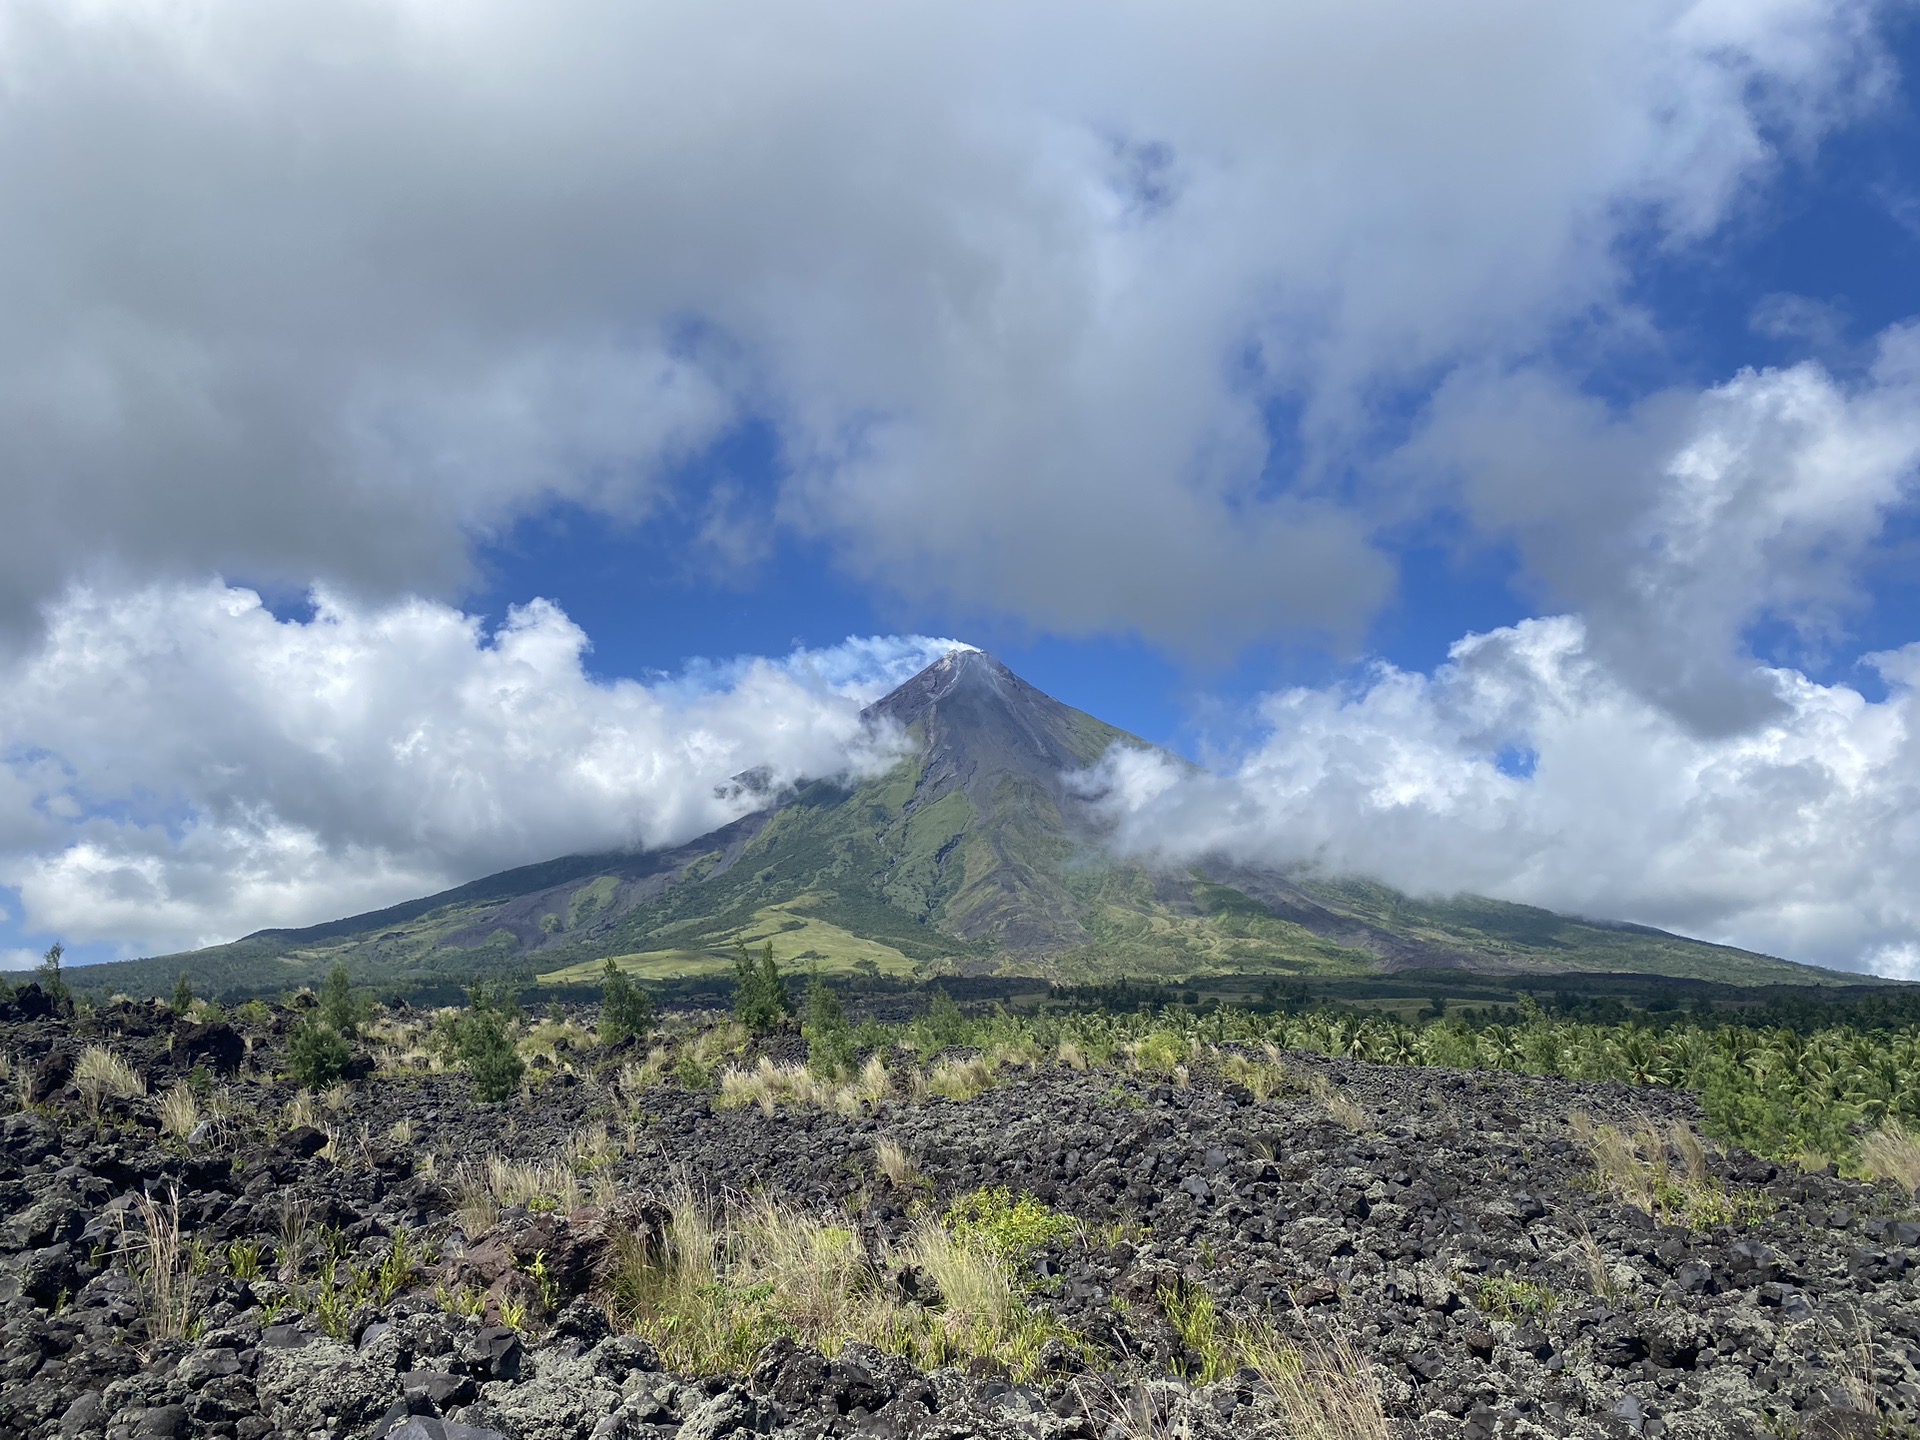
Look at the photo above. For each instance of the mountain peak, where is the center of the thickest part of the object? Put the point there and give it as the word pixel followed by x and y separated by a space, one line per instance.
pixel 980 726
pixel 960 669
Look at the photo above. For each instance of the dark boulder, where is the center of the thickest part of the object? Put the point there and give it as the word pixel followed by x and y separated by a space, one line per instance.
pixel 216 1045
pixel 50 1076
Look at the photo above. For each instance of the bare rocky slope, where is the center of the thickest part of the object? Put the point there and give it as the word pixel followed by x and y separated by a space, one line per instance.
pixel 1447 1226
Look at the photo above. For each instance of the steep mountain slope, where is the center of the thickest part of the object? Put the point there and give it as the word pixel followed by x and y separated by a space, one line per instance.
pixel 971 855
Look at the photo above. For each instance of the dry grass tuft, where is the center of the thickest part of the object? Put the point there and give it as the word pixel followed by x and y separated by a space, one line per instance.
pixel 179 1112
pixel 712 1289
pixel 894 1163
pixel 1692 1152
pixel 1343 1111
pixel 873 1084
pixel 769 1086
pixel 160 1263
pixel 401 1131
pixel 637 1077
pixel 1593 1258
pixel 1326 1387
pixel 1618 1167
pixel 301 1111
pixel 961 1079
pixel 483 1189
pixel 1892 1153
pixel 294 1234
pixel 1265 1075
pixel 555 1040
pixel 1637 1168
pixel 590 1150
pixel 102 1075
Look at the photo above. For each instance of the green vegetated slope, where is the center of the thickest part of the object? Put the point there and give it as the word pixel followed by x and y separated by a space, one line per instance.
pixel 973 855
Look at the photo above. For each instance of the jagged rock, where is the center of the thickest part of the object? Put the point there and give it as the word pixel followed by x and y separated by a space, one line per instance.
pixel 733 1412
pixel 322 1385
pixel 50 1076
pixel 428 1427
pixel 216 1044
pixel 1393 1236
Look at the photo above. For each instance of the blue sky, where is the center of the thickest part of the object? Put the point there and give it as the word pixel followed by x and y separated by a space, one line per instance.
pixel 1484 437
pixel 1838 227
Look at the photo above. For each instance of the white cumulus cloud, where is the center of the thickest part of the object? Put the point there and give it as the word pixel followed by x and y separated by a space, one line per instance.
pixel 334 290
pixel 182 766
pixel 1525 769
pixel 1676 525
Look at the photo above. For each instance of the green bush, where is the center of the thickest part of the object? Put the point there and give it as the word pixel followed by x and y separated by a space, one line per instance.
pixel 52 983
pixel 626 1011
pixel 317 1054
pixel 830 1049
pixel 482 1036
pixel 182 994
pixel 760 998
pixel 487 1049
pixel 941 1025
pixel 1007 1226
pixel 339 1006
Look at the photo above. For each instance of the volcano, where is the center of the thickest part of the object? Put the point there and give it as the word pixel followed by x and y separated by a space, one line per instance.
pixel 973 855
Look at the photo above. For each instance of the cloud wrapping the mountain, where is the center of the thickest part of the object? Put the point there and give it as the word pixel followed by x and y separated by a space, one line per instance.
pixel 1077 314
pixel 1525 769
pixel 181 766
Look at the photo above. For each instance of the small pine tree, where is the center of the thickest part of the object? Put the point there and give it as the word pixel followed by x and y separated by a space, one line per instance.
pixel 760 998
pixel 317 1054
pixel 486 1045
pixel 626 1011
pixel 52 983
pixel 829 1037
pixel 339 1006
pixel 182 994
pixel 942 1024
pixel 483 1039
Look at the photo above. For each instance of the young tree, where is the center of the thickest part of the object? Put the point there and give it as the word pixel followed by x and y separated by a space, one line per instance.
pixel 626 1011
pixel 317 1054
pixel 483 1037
pixel 51 981
pixel 760 998
pixel 829 1037
pixel 942 1024
pixel 339 1006
pixel 182 994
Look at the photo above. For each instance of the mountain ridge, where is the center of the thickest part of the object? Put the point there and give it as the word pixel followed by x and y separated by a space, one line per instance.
pixel 971 855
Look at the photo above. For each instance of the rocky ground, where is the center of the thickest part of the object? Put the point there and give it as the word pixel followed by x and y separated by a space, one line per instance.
pixel 1448 1226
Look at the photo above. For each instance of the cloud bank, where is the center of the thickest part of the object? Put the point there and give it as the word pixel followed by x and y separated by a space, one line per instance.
pixel 1078 314
pixel 1628 761
pixel 1525 769
pixel 181 766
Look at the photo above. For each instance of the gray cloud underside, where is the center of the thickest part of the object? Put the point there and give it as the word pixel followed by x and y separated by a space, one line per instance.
pixel 330 291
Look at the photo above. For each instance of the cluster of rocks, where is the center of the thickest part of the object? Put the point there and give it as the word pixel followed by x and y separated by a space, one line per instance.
pixel 1454 1237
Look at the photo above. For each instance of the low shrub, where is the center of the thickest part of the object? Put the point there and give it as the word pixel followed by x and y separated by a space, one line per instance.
pixel 829 1038
pixel 626 1011
pixel 761 1001
pixel 317 1054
